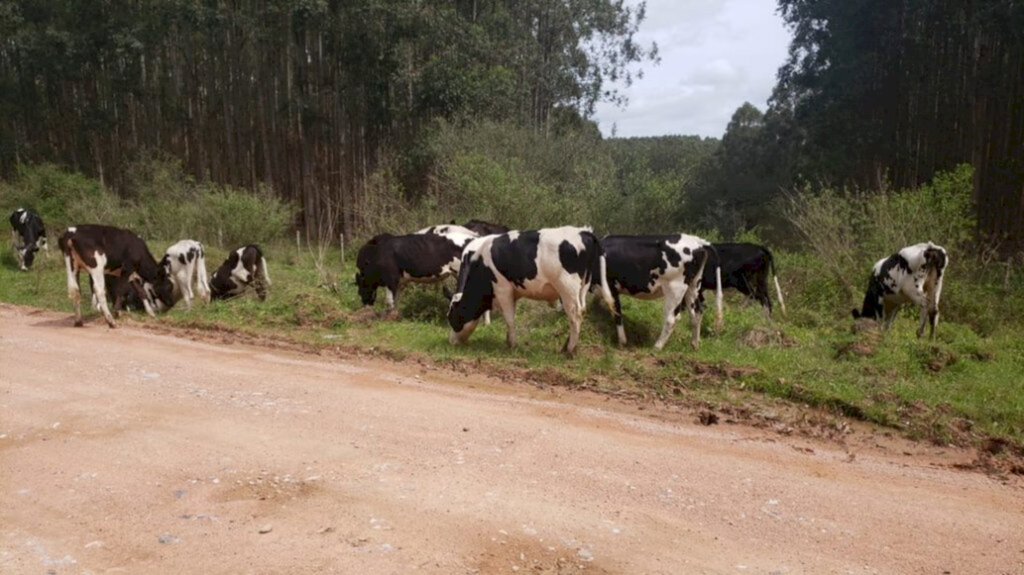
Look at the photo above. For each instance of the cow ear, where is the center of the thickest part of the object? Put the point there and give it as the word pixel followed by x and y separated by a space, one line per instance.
pixel 856 314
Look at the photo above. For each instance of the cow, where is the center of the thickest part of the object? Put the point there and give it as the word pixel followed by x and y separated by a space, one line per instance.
pixel 244 267
pixel 483 228
pixel 28 236
pixel 391 262
pixel 667 267
pixel 743 267
pixel 548 264
pixel 913 274
pixel 185 264
pixel 108 251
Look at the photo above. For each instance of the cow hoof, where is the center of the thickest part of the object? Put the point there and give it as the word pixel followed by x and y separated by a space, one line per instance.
pixel 78 323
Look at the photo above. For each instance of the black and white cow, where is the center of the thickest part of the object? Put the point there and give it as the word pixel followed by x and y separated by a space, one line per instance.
pixel 244 267
pixel 913 274
pixel 743 267
pixel 185 264
pixel 483 228
pixel 103 251
pixel 548 264
pixel 28 235
pixel 659 267
pixel 392 261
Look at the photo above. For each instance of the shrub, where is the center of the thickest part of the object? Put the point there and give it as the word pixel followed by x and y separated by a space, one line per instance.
pixel 63 198
pixel 851 230
pixel 162 203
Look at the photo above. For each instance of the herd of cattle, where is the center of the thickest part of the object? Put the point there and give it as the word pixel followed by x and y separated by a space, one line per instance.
pixel 495 267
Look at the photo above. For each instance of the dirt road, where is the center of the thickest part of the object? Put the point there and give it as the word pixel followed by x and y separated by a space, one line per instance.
pixel 126 451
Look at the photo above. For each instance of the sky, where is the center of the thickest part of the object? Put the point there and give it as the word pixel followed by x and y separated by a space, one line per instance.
pixel 715 55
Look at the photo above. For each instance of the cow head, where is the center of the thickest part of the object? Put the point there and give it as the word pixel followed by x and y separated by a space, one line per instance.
pixel 161 291
pixel 475 296
pixel 27 255
pixel 367 289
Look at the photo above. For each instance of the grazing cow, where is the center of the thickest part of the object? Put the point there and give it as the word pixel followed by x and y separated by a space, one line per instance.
pixel 185 263
pixel 105 250
pixel 547 264
pixel 392 261
pixel 28 235
pixel 244 267
pixel 743 267
pixel 912 274
pixel 483 228
pixel 653 267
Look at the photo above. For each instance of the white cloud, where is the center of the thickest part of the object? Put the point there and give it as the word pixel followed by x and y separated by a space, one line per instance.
pixel 715 55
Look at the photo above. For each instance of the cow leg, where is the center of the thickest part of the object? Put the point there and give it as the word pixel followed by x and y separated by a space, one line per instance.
pixel 672 301
pixel 183 277
pixel 74 290
pixel 571 305
pixel 99 282
pixel 19 253
pixel 507 304
pixel 696 309
pixel 391 297
pixel 889 313
pixel 933 307
pixel 620 330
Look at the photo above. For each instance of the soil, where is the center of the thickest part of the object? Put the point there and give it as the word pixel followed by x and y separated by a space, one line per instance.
pixel 131 451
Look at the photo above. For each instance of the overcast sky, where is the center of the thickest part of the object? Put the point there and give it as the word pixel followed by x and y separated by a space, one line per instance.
pixel 715 55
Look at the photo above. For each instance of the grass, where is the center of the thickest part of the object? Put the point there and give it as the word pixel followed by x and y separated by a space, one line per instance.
pixel 962 388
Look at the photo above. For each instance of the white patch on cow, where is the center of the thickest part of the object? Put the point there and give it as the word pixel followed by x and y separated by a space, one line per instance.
pixel 72 230
pixel 24 216
pixel 459 235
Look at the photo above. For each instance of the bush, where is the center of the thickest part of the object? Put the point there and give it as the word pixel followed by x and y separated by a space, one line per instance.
pixel 62 198
pixel 162 203
pixel 851 230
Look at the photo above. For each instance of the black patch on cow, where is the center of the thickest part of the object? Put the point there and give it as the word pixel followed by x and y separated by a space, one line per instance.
pixel 516 259
pixel 181 258
pixel 686 250
pixel 574 262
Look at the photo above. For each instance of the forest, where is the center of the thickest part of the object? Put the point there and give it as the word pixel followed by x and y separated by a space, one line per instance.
pixel 372 114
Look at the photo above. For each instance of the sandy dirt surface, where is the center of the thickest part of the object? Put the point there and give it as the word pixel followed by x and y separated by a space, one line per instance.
pixel 128 451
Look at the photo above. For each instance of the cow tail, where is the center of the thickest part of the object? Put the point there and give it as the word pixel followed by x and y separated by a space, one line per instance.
pixel 719 303
pixel 775 278
pixel 606 292
pixel 264 270
pixel 204 278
